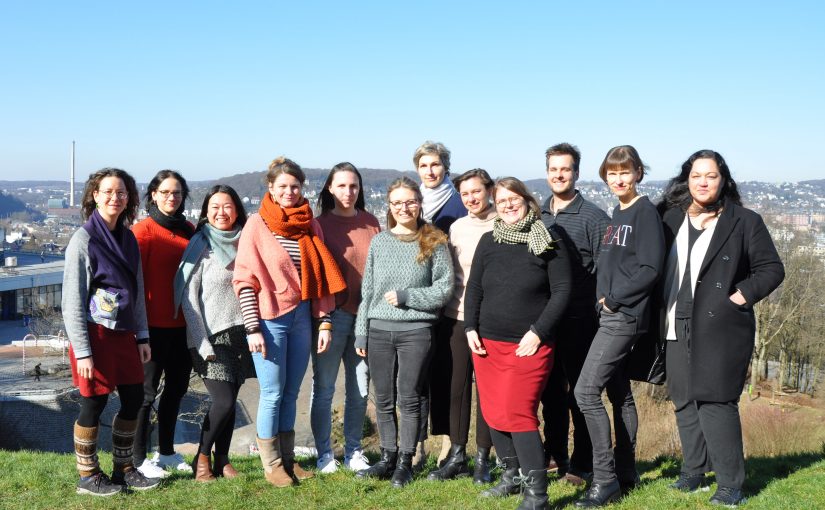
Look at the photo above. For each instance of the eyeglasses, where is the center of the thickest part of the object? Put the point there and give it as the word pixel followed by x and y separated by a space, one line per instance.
pixel 109 193
pixel 165 193
pixel 409 204
pixel 512 201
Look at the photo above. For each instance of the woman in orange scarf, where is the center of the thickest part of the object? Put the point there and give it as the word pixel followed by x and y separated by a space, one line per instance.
pixel 284 276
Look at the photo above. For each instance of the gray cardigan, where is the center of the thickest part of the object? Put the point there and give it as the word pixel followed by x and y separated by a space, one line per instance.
pixel 423 289
pixel 209 303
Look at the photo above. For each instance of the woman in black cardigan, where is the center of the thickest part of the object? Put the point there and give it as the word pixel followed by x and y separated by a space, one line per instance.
pixel 721 262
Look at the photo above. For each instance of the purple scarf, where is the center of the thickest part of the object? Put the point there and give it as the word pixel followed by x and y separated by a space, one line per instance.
pixel 114 257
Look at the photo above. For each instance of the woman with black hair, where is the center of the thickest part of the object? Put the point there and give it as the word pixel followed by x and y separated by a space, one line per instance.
pixel 162 238
pixel 105 317
pixel 214 324
pixel 348 229
pixel 721 262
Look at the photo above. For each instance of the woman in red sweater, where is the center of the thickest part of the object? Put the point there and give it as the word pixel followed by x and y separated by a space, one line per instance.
pixel 162 238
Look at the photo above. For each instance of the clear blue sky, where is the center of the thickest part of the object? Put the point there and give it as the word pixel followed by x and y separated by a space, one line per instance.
pixel 217 88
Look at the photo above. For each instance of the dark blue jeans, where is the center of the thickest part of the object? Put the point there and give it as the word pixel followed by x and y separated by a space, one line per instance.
pixel 398 362
pixel 604 368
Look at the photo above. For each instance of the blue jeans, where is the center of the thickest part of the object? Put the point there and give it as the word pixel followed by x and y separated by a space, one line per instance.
pixel 325 373
pixel 288 340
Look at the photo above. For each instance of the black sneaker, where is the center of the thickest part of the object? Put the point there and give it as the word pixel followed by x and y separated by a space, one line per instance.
pixel 134 479
pixel 98 485
pixel 690 483
pixel 727 496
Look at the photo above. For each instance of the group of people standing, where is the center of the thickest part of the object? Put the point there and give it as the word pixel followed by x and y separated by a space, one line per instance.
pixel 473 278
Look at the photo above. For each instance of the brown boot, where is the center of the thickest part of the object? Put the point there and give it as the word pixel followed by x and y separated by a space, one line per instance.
pixel 273 464
pixel 288 452
pixel 203 468
pixel 223 468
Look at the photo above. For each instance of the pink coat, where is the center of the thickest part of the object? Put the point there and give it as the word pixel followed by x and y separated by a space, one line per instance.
pixel 264 265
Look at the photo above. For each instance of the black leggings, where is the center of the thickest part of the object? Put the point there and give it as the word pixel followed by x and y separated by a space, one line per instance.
pixel 91 408
pixel 219 423
pixel 170 358
pixel 526 446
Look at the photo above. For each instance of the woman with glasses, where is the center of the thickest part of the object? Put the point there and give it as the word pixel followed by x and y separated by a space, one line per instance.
pixel 518 290
pixel 348 230
pixel 285 276
pixel 408 278
pixel 105 317
pixel 162 238
pixel 451 368
pixel 630 262
pixel 214 324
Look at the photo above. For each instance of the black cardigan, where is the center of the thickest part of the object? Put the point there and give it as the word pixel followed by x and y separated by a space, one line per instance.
pixel 511 291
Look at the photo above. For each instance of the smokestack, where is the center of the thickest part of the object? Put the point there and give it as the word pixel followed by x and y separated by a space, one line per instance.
pixel 71 181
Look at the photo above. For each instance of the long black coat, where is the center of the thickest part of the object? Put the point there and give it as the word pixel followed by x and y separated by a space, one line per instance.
pixel 741 255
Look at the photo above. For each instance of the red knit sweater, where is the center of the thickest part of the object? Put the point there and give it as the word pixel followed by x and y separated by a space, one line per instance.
pixel 160 253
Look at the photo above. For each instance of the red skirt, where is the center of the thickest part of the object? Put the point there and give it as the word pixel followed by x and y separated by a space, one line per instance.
pixel 510 387
pixel 116 361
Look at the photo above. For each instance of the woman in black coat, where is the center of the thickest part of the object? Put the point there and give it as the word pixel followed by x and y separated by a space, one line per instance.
pixel 721 261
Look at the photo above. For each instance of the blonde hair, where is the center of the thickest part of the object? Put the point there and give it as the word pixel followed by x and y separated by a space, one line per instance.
pixel 433 148
pixel 427 235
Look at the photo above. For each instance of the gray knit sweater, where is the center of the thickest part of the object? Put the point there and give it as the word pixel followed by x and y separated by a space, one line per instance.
pixel 423 289
pixel 209 303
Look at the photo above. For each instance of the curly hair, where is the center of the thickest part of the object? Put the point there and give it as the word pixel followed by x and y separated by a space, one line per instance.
pixel 677 193
pixel 88 204
pixel 427 235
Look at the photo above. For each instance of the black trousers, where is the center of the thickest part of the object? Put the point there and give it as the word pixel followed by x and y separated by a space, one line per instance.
pixel 451 386
pixel 710 432
pixel 574 336
pixel 170 358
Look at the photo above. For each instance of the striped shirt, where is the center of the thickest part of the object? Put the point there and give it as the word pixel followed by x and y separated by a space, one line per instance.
pixel 581 224
pixel 291 247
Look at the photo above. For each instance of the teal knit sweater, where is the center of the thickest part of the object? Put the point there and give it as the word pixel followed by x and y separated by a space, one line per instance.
pixel 423 289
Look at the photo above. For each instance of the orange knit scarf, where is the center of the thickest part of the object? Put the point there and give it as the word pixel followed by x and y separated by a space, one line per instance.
pixel 320 275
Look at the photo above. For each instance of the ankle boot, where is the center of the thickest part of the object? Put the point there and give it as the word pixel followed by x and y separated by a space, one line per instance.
pixel 403 470
pixel 508 484
pixel 273 463
pixel 534 491
pixel 288 454
pixel 455 465
pixel 600 494
pixel 481 470
pixel 85 450
pixel 383 469
pixel 203 468
pixel 222 467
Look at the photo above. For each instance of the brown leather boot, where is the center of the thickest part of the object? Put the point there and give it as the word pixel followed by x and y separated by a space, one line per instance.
pixel 273 463
pixel 202 466
pixel 288 452
pixel 223 468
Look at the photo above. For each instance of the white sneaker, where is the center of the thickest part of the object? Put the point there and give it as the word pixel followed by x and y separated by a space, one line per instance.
pixel 327 464
pixel 151 470
pixel 172 462
pixel 356 461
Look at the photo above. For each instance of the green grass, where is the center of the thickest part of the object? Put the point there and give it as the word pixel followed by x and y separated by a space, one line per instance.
pixel 33 480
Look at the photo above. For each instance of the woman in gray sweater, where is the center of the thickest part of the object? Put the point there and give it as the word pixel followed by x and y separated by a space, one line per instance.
pixel 408 278
pixel 215 332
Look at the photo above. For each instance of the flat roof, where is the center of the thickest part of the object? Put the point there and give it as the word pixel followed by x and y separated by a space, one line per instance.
pixel 30 276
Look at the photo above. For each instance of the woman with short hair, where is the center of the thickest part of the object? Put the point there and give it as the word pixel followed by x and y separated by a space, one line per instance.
pixel 518 290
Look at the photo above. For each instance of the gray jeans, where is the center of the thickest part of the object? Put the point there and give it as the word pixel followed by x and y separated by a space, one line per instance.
pixel 398 362
pixel 604 368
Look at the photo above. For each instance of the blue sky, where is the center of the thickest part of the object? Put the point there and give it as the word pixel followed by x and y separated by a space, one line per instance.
pixel 217 88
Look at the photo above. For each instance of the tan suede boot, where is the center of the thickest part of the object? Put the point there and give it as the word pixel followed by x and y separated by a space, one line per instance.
pixel 273 463
pixel 288 452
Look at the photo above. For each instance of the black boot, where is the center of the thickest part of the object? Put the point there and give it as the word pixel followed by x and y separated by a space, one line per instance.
pixel 403 470
pixel 600 494
pixel 481 470
pixel 508 484
pixel 454 467
pixel 534 491
pixel 383 469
